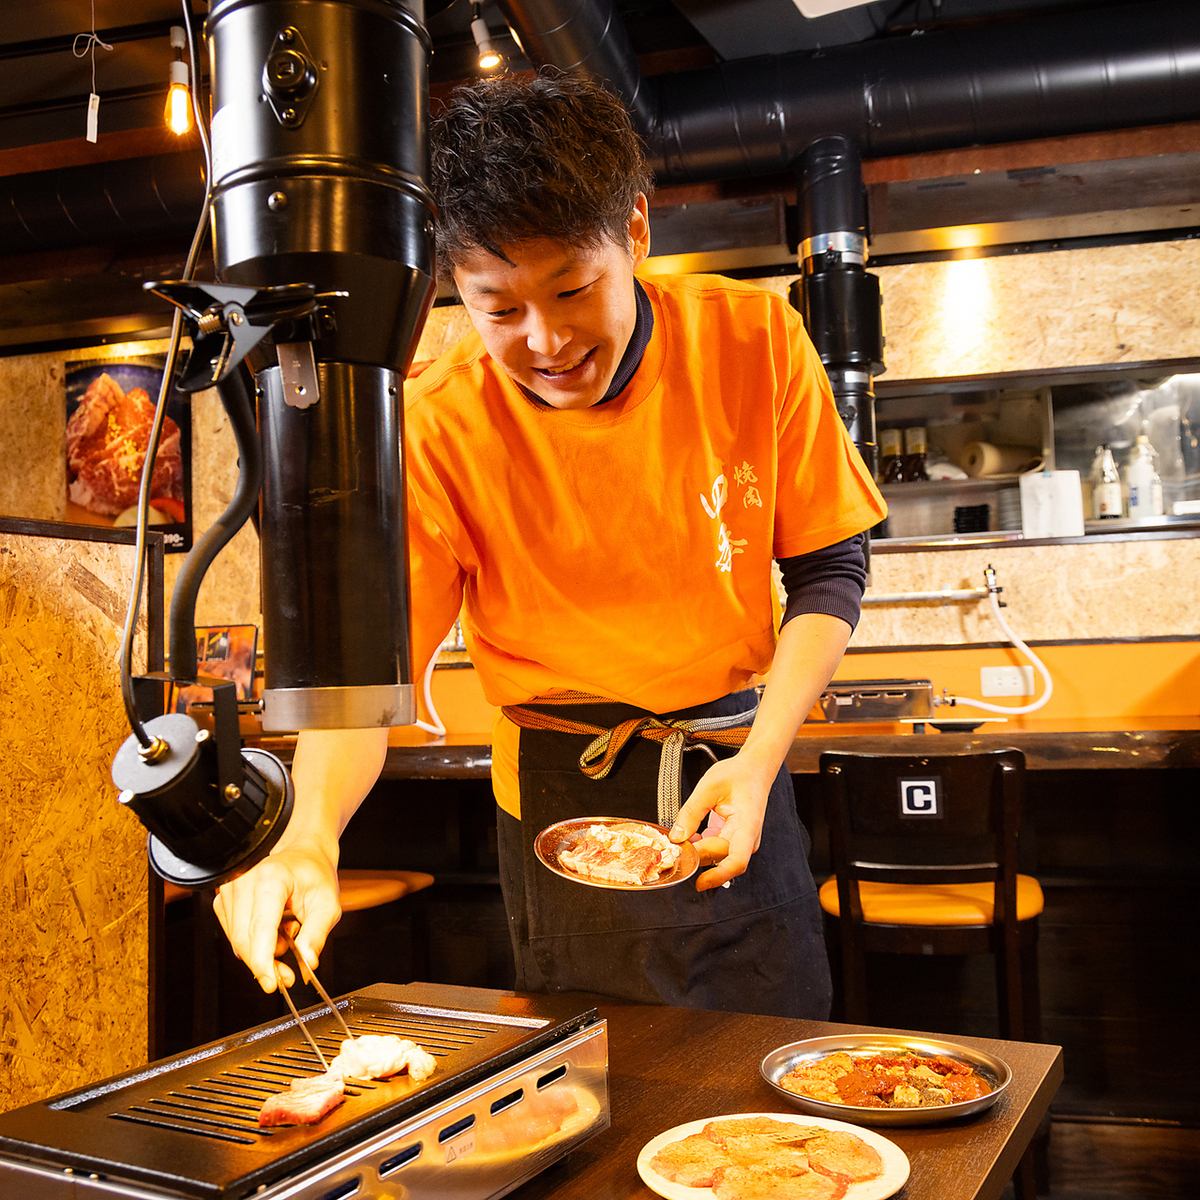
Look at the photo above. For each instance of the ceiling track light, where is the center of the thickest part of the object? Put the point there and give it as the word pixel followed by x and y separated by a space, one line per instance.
pixel 489 57
pixel 178 110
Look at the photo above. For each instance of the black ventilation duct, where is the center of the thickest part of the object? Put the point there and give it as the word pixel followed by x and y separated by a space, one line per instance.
pixel 109 203
pixel 839 298
pixel 1066 72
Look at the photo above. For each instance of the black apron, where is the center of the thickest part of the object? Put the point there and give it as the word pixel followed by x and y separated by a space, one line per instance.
pixel 756 946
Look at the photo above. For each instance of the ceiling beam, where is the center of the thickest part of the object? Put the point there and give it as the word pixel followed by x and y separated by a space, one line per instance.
pixel 79 152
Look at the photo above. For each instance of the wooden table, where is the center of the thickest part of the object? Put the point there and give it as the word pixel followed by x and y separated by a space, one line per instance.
pixel 671 1065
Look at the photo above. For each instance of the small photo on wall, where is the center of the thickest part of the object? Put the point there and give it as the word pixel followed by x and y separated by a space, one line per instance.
pixel 110 412
pixel 226 651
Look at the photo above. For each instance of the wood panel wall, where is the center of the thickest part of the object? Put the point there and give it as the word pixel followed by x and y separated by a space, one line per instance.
pixel 74 883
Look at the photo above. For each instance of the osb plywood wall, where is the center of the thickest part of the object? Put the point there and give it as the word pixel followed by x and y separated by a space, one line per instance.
pixel 1015 313
pixel 1030 312
pixel 1125 589
pixel 73 871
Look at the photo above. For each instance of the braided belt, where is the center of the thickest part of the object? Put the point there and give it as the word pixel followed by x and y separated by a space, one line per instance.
pixel 676 737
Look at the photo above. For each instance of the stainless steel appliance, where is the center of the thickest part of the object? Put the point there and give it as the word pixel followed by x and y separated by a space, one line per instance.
pixel 877 699
pixel 520 1081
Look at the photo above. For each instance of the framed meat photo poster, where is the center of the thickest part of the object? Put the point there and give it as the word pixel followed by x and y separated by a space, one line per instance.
pixel 110 412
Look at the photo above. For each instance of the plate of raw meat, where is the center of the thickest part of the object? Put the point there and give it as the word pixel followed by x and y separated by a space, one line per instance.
pixel 772 1156
pixel 615 852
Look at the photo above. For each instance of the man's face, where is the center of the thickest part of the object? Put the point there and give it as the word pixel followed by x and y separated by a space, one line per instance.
pixel 558 318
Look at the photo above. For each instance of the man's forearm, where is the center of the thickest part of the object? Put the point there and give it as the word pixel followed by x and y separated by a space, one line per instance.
pixel 809 649
pixel 333 770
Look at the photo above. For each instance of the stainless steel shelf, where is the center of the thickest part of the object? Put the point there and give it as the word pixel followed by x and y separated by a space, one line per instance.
pixel 937 487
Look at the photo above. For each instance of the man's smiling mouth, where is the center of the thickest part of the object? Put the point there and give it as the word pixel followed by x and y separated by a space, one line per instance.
pixel 552 372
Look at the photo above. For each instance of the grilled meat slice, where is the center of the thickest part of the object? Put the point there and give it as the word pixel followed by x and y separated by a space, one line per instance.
pixel 380 1056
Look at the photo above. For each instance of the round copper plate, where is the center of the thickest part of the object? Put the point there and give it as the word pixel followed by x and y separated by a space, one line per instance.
pixel 554 839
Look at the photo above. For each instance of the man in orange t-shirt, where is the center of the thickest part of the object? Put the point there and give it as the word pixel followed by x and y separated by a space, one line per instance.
pixel 601 478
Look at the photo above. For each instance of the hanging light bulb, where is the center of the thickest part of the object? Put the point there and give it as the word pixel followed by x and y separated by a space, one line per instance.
pixel 178 110
pixel 489 57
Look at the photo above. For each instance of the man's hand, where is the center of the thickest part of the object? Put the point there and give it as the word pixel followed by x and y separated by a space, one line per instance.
pixel 299 881
pixel 735 789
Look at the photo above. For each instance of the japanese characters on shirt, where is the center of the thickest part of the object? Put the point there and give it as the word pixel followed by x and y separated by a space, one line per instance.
pixel 714 503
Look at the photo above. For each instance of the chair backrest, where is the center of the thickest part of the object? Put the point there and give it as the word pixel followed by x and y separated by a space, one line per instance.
pixel 924 818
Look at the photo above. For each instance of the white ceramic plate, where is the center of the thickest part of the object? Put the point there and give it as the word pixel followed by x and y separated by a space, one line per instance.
pixel 895 1161
pixel 554 839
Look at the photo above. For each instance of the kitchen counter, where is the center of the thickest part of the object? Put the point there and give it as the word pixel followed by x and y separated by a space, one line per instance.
pixel 668 1066
pixel 1049 745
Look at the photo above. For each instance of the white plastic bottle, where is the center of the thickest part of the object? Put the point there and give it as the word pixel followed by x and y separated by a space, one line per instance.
pixel 1142 483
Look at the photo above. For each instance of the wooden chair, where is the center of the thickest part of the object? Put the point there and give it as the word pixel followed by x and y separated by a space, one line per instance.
pixel 924 853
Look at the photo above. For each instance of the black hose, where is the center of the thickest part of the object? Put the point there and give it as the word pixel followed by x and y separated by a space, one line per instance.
pixel 237 392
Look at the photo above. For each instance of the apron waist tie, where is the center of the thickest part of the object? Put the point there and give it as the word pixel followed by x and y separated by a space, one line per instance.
pixel 675 735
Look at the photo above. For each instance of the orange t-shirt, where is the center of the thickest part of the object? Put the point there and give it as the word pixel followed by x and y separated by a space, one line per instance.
pixel 625 550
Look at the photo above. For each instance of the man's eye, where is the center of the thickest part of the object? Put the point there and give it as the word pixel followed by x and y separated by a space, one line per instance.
pixel 503 312
pixel 573 292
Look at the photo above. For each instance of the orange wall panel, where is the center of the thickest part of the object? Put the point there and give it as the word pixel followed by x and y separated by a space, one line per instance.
pixel 1096 680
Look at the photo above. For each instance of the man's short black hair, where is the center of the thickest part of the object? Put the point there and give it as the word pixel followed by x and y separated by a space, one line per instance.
pixel 552 156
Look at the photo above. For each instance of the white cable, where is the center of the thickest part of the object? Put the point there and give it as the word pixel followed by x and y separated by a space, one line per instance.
pixel 124 654
pixel 1016 709
pixel 435 725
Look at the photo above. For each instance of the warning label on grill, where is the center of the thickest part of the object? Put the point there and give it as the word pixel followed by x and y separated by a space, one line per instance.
pixel 461 1146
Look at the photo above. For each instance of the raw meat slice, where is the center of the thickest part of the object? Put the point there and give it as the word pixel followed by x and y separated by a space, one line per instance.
pixel 623 853
pixel 762 1183
pixel 304 1101
pixel 691 1162
pixel 843 1154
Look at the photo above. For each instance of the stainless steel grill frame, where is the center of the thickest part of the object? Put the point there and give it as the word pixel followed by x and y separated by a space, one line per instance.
pixel 187 1126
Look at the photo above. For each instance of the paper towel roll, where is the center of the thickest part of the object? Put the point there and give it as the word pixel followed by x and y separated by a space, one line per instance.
pixel 1051 504
pixel 986 458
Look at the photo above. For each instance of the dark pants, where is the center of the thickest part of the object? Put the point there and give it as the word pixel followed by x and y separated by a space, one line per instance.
pixel 756 946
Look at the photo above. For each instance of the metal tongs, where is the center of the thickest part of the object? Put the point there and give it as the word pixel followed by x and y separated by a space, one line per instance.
pixel 310 978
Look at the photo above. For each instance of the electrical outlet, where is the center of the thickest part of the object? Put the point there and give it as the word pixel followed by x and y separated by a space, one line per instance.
pixel 1006 681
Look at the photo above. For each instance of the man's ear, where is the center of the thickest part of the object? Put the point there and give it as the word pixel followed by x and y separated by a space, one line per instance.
pixel 639 230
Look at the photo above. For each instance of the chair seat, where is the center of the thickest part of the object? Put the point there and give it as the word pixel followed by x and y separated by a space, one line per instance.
pixel 369 889
pixel 934 904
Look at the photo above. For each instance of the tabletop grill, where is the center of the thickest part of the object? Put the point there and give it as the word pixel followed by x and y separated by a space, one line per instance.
pixel 520 1081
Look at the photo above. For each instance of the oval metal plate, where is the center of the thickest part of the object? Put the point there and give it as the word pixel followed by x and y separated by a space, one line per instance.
pixel 787 1058
pixel 556 838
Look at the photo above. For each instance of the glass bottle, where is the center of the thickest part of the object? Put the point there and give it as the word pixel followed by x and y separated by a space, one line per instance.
pixel 891 456
pixel 1142 483
pixel 1106 485
pixel 915 450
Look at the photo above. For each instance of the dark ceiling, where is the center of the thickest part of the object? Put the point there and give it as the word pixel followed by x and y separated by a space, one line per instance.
pixel 1135 182
pixel 44 86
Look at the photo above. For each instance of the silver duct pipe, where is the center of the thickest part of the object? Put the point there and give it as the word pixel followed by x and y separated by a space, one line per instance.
pixel 1066 72
pixel 839 298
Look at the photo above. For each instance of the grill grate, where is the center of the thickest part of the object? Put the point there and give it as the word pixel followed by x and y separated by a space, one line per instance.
pixel 224 1106
pixel 189 1125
